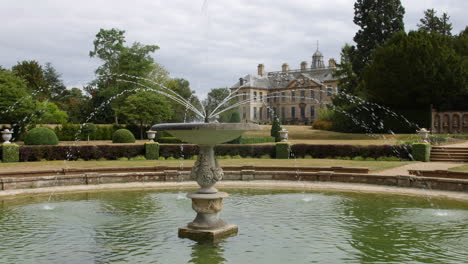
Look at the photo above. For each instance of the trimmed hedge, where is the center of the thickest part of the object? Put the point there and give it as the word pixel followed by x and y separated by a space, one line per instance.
pixel 152 150
pixel 86 152
pixel 169 140
pixel 113 152
pixel 10 153
pixel 421 151
pixel 283 150
pixel 123 136
pixel 252 140
pixel 41 136
pixel 365 151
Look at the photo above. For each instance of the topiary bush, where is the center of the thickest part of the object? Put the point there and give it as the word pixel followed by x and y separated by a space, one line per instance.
pixel 123 136
pixel 421 151
pixel 283 150
pixel 41 136
pixel 276 128
pixel 10 153
pixel 152 150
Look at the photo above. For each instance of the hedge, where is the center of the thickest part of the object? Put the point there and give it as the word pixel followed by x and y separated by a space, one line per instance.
pixel 112 152
pixel 152 151
pixel 421 151
pixel 123 136
pixel 72 132
pixel 10 153
pixel 169 140
pixel 365 151
pixel 252 140
pixel 283 150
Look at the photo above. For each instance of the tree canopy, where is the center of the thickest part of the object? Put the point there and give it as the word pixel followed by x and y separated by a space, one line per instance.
pixel 433 24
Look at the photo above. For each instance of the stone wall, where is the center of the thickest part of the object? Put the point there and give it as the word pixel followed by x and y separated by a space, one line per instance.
pixel 453 122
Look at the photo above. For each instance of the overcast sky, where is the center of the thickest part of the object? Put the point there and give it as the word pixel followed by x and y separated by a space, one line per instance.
pixel 211 43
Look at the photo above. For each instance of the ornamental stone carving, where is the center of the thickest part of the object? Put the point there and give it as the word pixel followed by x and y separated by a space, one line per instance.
pixel 206 170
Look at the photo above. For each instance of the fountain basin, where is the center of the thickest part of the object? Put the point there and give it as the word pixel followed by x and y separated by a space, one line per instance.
pixel 206 133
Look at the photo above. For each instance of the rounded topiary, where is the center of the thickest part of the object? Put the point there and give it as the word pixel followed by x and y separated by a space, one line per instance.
pixel 123 136
pixel 41 136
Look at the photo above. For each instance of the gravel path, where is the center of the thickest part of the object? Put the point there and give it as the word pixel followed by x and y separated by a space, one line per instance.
pixel 403 170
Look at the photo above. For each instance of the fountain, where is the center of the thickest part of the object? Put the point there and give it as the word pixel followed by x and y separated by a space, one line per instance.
pixel 206 201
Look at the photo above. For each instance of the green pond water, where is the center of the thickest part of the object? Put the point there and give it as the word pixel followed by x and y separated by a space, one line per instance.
pixel 274 227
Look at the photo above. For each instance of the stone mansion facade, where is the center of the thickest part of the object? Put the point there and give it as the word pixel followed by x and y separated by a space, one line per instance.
pixel 295 96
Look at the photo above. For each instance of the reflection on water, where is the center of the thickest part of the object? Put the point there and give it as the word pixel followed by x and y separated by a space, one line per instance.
pixel 274 227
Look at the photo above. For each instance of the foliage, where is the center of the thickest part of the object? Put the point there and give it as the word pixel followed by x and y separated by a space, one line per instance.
pixel 54 85
pixel 276 128
pixel 88 129
pixel 146 108
pixel 181 87
pixel 76 104
pixel 415 70
pixel 152 150
pixel 377 20
pixel 347 78
pixel 123 136
pixel 49 113
pixel 431 23
pixel 251 140
pixel 322 125
pixel 370 151
pixel 169 140
pixel 235 117
pixel 283 150
pixel 421 151
pixel 10 153
pixel 41 136
pixel 215 98
pixel 32 73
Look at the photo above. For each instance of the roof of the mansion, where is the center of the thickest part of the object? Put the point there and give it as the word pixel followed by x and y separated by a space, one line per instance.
pixel 280 79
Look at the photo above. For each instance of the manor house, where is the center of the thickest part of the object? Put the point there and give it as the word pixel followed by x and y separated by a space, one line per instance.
pixel 294 95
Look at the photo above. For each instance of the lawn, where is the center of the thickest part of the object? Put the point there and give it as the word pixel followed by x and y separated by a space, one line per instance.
pixel 48 165
pixel 460 168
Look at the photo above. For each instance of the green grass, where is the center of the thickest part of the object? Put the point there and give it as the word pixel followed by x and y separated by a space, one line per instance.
pixel 51 165
pixel 460 168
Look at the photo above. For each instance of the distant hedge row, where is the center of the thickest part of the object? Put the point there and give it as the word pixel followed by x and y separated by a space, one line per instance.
pixel 112 152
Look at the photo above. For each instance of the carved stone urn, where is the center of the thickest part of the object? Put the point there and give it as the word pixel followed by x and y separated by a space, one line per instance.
pixel 206 201
pixel 6 136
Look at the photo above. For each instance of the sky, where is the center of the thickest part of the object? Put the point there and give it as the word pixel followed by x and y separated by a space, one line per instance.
pixel 211 43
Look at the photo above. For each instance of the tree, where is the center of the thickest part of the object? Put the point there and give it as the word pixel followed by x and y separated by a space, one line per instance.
pixel 235 117
pixel 433 24
pixel 53 82
pixel 49 113
pixel 121 64
pixel 31 72
pixel 15 103
pixel 215 98
pixel 347 78
pixel 76 104
pixel 378 20
pixel 181 112
pixel 276 128
pixel 415 70
pixel 146 108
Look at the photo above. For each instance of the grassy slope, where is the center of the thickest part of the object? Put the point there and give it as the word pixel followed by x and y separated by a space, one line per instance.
pixel 47 165
pixel 460 168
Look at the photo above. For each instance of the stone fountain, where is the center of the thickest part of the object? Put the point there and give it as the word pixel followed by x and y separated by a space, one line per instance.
pixel 206 201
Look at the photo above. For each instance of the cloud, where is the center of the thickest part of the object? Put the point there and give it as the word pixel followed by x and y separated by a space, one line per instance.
pixel 211 43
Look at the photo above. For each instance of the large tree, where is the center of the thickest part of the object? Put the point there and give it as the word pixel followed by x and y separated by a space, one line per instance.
pixel 216 99
pixel 433 24
pixel 54 83
pixel 32 73
pixel 146 108
pixel 416 70
pixel 378 20
pixel 122 65
pixel 182 112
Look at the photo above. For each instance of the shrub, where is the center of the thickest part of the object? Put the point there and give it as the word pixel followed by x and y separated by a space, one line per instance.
pixel 123 159
pixel 307 157
pixel 283 150
pixel 161 158
pixel 276 128
pixel 235 117
pixel 266 156
pixel 152 150
pixel 101 159
pixel 358 158
pixel 41 136
pixel 170 158
pixel 322 125
pixel 421 152
pixel 139 157
pixel 123 136
pixel 237 157
pixel 169 140
pixel 88 129
pixel 10 153
pixel 373 151
pixel 194 157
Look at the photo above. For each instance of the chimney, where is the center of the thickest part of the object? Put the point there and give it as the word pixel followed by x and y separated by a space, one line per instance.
pixel 331 63
pixel 261 69
pixel 304 66
pixel 285 67
pixel 241 81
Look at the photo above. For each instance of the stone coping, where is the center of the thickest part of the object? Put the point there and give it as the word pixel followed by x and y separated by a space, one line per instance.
pixel 428 184
pixel 440 174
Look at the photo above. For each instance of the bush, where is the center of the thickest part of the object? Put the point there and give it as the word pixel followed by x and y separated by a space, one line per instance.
pixel 123 136
pixel 123 159
pixel 152 150
pixel 358 158
pixel 41 136
pixel 421 152
pixel 266 156
pixel 276 128
pixel 322 125
pixel 10 153
pixel 283 150
pixel 307 157
pixel 169 140
pixel 235 117
pixel 251 140
pixel 372 151
pixel 137 158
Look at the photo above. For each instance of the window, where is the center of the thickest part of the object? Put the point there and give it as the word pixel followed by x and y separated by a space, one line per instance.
pixel 302 112
pixel 312 111
pixel 244 96
pixel 302 95
pixel 293 112
pixel 268 111
pixel 244 112
pixel 255 112
pixel 267 97
pixel 283 113
pixel 329 90
pixel 255 96
pixel 283 96
pixel 312 94
pixel 293 96
pixel 261 113
pixel 261 96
